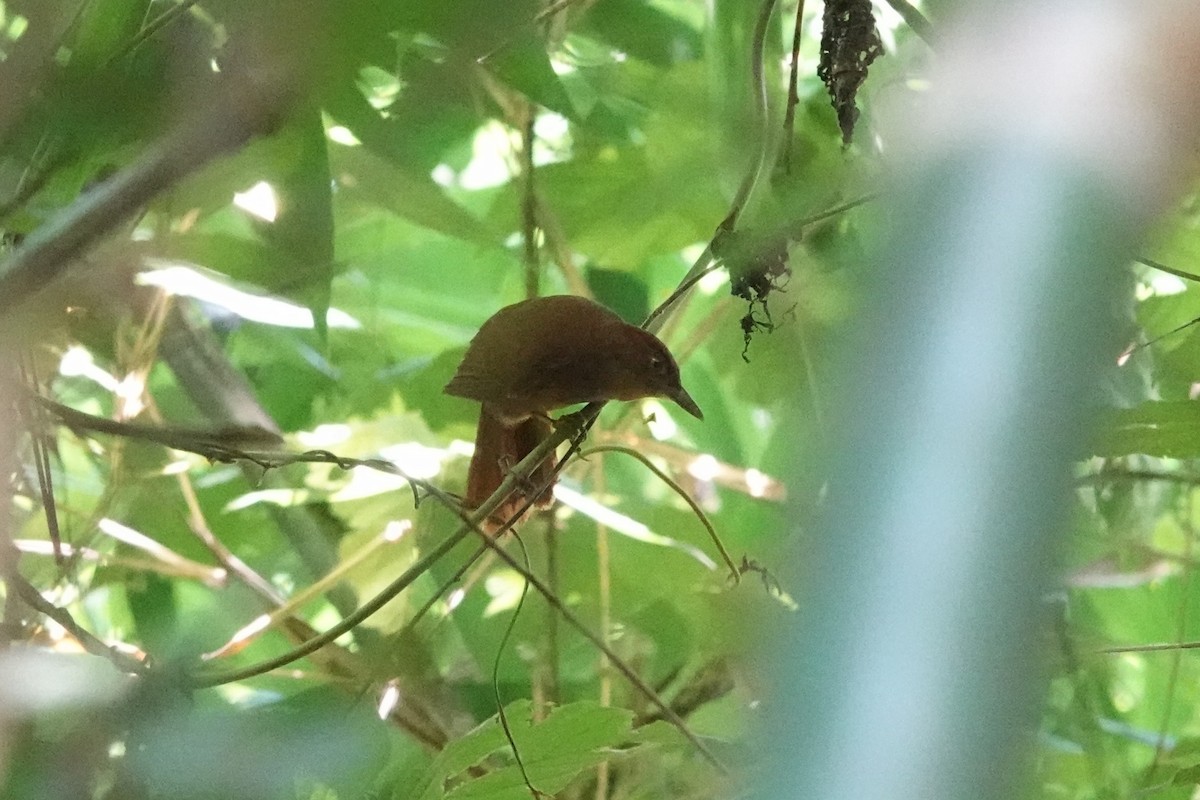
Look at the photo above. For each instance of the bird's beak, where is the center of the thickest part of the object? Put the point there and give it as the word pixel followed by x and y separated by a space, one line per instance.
pixel 685 401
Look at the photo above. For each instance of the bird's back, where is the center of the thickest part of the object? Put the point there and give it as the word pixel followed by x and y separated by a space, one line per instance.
pixel 536 355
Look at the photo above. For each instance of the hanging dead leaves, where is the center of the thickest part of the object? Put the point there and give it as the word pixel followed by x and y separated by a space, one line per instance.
pixel 757 267
pixel 849 43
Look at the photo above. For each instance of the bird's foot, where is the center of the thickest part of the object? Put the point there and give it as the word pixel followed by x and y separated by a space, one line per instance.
pixel 525 486
pixel 575 425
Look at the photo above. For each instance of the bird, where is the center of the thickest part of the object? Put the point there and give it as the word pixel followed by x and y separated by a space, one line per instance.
pixel 543 354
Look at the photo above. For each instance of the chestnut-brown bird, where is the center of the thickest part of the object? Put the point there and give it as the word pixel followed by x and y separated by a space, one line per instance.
pixel 542 354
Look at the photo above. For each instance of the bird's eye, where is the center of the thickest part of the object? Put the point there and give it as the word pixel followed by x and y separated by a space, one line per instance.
pixel 658 363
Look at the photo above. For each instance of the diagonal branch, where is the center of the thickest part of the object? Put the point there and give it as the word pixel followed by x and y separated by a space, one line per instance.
pixel 245 110
pixel 86 638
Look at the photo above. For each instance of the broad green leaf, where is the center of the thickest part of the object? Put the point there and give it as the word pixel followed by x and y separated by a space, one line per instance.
pixel 525 65
pixel 572 738
pixel 433 113
pixel 301 236
pixel 644 30
pixel 103 26
pixel 245 258
pixel 623 205
pixel 290 255
pixel 1169 429
pixel 412 196
pixel 624 293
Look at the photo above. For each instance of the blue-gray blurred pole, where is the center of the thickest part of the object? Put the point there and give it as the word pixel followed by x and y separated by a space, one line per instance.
pixel 1051 138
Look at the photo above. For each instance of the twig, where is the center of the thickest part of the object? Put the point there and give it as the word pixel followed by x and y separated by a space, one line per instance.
pixel 285 611
pixel 209 679
pixel 471 524
pixel 500 712
pixel 706 262
pixel 31 186
pixel 172 567
pixel 517 476
pixel 546 12
pixel 529 222
pixel 1137 475
pixel 554 8
pixel 1189 539
pixel 734 574
pixel 552 580
pixel 86 638
pixel 1129 351
pixel 1158 265
pixel 1158 647
pixel 153 27
pixel 759 91
pixel 793 98
pixel 834 211
pixel 35 420
pixel 711 682
pixel 604 604
pixel 560 250
pixel 444 589
pixel 224 556
pixel 703 265
pixel 193 440
pixel 617 662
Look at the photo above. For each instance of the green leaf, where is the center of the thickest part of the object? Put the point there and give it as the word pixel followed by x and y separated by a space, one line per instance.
pixel 624 293
pixel 103 26
pixel 407 194
pixel 301 236
pixel 1169 429
pixel 242 258
pixel 624 205
pixel 433 113
pixel 291 255
pixel 644 30
pixel 572 738
pixel 525 65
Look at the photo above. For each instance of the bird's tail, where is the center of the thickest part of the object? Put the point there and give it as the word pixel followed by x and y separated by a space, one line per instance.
pixel 498 448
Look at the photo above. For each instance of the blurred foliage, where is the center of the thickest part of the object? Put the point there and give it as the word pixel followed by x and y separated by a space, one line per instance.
pixel 397 198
